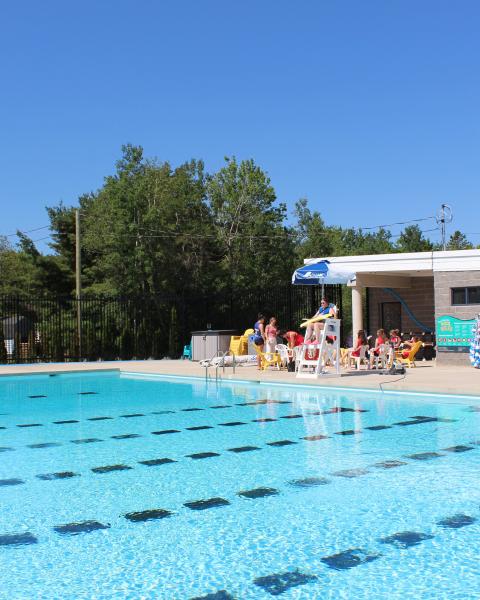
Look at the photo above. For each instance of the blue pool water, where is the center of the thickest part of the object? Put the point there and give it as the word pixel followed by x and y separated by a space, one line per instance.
pixel 134 487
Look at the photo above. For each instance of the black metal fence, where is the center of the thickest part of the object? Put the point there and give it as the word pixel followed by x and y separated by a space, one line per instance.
pixel 155 326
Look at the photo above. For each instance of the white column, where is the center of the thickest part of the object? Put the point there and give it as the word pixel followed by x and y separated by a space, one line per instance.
pixel 357 310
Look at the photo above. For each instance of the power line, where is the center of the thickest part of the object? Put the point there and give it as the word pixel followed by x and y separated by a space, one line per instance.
pixel 165 235
pixel 25 232
pixel 42 238
pixel 398 223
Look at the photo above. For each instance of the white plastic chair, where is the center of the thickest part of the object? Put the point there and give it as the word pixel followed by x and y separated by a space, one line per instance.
pixel 358 359
pixel 285 353
pixel 381 361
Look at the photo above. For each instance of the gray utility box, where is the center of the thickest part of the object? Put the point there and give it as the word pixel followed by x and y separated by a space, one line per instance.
pixel 206 344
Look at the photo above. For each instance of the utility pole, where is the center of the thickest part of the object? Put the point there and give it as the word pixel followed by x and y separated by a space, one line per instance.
pixel 444 216
pixel 78 280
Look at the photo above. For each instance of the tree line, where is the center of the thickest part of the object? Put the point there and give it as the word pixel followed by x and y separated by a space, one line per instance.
pixel 152 228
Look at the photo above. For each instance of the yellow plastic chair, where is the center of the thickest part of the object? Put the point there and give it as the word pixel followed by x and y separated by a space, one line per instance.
pixel 269 359
pixel 409 361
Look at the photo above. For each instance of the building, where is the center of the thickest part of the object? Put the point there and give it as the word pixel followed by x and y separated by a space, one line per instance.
pixel 420 292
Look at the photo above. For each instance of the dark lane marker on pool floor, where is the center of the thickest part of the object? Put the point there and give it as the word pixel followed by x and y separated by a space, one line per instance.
pixel 281 443
pixel 148 515
pixel 424 455
pixel 154 462
pixel 315 438
pixel 221 406
pixel 351 473
pixel 378 427
pixel 6 449
pixel 200 455
pixel 261 492
pixel 65 422
pixel 132 415
pixel 44 445
pixel 244 449
pixel 165 431
pixel 205 504
pixel 99 418
pixel 191 409
pixel 31 425
pixel 125 436
pixel 199 427
pixel 232 424
pixel 60 475
pixel 82 527
pixel 87 393
pixel 38 396
pixel 220 595
pixel 389 464
pixel 457 521
pixel 349 432
pixel 86 441
pixel 278 583
pixel 110 468
pixel 406 539
pixel 459 448
pixel 349 559
pixel 264 420
pixel 308 482
pixel 9 482
pixel 18 539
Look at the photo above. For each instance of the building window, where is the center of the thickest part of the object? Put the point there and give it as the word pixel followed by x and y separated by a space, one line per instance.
pixel 466 295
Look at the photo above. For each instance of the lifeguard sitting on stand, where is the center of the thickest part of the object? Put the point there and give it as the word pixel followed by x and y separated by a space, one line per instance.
pixel 316 324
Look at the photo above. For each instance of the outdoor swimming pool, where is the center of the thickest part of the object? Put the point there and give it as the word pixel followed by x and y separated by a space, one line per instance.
pixel 134 487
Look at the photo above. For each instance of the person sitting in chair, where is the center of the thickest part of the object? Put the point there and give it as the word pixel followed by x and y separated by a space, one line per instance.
pixel 408 345
pixel 314 329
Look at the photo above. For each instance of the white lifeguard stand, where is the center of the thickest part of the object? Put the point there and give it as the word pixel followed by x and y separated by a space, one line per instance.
pixel 313 368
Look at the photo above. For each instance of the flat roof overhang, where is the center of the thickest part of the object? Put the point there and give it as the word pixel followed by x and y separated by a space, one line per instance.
pixel 396 270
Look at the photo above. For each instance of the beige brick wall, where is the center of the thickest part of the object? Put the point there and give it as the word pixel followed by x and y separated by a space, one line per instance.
pixel 419 298
pixel 444 281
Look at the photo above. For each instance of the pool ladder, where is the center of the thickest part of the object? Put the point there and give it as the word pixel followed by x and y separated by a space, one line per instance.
pixel 220 363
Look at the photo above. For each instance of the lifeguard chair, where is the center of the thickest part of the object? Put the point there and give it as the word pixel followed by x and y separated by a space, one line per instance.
pixel 313 358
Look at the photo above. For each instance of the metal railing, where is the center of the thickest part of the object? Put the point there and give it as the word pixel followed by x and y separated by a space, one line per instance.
pixel 45 329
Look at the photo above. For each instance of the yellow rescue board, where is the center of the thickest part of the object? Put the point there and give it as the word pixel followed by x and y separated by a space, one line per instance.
pixel 313 320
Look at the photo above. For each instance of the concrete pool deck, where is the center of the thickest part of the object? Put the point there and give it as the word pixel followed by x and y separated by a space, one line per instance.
pixel 425 378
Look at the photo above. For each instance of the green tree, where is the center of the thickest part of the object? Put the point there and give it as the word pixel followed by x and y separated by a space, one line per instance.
pixel 459 241
pixel 148 229
pixel 411 240
pixel 253 243
pixel 313 238
pixel 19 273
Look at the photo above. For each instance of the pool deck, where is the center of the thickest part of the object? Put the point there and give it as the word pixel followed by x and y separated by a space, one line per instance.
pixel 425 378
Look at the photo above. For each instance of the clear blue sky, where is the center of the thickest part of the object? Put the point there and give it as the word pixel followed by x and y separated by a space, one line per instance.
pixel 370 109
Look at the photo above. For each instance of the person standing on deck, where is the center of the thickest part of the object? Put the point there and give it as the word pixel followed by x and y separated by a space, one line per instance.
pixel 259 335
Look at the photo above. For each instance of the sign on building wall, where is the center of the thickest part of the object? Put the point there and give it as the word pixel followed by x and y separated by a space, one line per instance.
pixel 454 335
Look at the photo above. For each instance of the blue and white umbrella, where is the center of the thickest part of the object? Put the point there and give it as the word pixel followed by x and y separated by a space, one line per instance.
pixel 321 273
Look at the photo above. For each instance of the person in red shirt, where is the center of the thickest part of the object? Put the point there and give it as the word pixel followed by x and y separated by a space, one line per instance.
pixel 380 341
pixel 354 352
pixel 407 346
pixel 395 339
pixel 293 338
